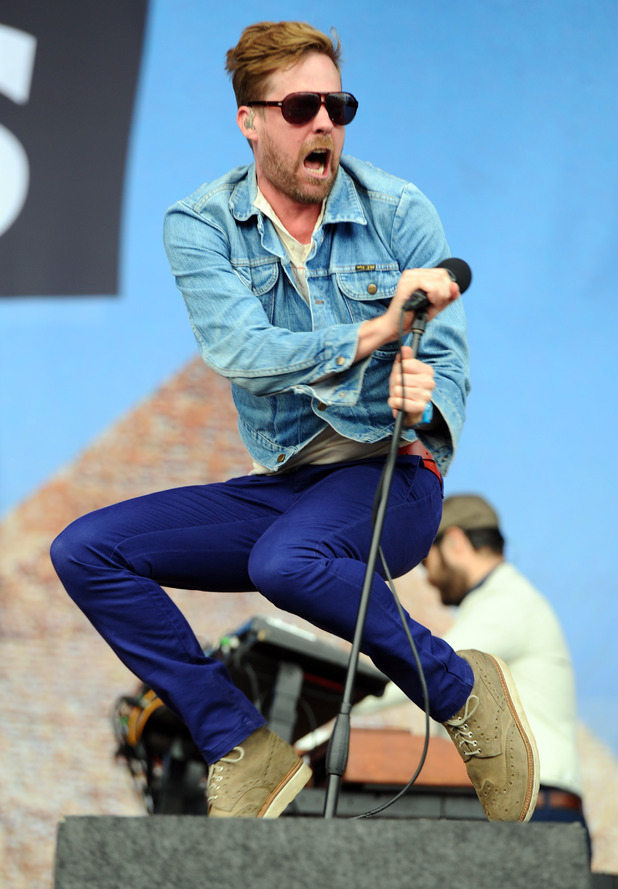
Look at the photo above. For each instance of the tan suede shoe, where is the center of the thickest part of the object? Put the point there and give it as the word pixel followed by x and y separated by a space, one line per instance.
pixel 257 779
pixel 494 739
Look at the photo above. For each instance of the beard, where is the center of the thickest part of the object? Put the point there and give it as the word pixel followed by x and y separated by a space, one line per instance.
pixel 290 176
pixel 451 583
pixel 453 586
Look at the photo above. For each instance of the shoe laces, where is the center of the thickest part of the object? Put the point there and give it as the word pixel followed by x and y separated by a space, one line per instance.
pixel 215 772
pixel 461 733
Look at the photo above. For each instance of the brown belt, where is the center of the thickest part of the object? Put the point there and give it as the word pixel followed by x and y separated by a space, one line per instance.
pixel 559 799
pixel 418 450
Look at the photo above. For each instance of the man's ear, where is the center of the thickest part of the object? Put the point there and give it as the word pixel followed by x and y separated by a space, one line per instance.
pixel 245 117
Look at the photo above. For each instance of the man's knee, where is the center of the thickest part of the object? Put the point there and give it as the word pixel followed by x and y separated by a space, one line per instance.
pixel 72 549
pixel 277 570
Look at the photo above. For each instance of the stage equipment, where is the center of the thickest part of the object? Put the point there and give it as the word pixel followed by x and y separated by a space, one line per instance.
pixel 293 678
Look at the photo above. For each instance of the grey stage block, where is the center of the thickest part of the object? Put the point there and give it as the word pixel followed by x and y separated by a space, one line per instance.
pixel 193 852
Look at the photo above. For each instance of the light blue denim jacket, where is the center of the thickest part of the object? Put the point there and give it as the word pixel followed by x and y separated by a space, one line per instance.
pixel 290 363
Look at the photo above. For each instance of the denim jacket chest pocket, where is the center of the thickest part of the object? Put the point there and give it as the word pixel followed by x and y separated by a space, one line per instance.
pixel 261 278
pixel 367 294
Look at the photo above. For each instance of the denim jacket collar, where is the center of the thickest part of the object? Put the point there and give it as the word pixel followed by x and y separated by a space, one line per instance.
pixel 342 204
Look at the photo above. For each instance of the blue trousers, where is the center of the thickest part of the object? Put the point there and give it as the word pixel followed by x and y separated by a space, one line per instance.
pixel 300 538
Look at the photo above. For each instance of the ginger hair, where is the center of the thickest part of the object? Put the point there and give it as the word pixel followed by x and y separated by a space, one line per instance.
pixel 267 47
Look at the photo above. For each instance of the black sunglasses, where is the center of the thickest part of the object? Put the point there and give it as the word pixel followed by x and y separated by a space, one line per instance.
pixel 299 108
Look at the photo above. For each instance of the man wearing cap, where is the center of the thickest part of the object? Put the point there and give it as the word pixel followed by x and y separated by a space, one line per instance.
pixel 501 612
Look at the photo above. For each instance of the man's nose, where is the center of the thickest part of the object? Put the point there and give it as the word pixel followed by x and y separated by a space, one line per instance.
pixel 322 122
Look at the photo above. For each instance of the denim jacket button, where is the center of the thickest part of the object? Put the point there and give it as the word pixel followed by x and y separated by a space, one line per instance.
pixel 321 406
pixel 372 288
pixel 340 360
pixel 280 458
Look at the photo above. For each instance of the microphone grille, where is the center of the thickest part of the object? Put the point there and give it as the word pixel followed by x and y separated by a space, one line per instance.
pixel 459 270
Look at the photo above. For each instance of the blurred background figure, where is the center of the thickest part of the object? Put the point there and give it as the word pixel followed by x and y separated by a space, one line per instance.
pixel 498 610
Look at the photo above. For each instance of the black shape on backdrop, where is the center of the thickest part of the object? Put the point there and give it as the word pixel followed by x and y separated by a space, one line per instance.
pixel 74 128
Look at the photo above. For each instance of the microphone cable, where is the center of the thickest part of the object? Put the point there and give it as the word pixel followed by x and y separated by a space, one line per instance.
pixel 459 271
pixel 421 675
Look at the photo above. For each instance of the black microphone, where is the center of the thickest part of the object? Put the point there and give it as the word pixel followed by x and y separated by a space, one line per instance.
pixel 458 270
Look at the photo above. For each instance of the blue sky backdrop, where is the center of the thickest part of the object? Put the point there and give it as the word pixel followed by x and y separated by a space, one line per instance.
pixel 506 115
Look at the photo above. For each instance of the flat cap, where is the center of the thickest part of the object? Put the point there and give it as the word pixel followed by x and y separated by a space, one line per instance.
pixel 468 512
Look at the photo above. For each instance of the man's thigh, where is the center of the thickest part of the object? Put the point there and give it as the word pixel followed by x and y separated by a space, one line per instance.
pixel 335 516
pixel 195 537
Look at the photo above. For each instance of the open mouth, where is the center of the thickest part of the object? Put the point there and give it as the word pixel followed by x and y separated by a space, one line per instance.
pixel 317 161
